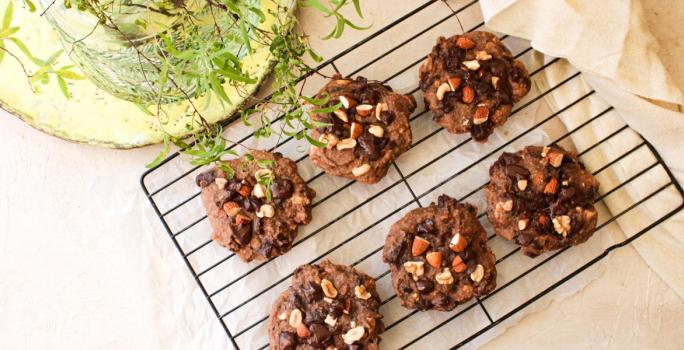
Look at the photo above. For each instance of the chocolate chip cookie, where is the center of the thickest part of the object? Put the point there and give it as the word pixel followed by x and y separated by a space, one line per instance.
pixel 439 256
pixel 256 212
pixel 471 82
pixel 366 134
pixel 542 198
pixel 327 306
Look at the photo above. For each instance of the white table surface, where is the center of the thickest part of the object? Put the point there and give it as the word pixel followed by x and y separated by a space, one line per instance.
pixel 76 233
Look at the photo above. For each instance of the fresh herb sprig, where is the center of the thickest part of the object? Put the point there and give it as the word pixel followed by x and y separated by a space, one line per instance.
pixel 45 68
pixel 206 63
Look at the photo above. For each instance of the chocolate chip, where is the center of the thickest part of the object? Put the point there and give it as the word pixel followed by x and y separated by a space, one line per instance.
pixel 425 286
pixel 465 255
pixel 335 308
pixel 425 227
pixel 316 313
pixel 395 251
pixel 387 117
pixel 320 334
pixel 354 347
pixel 312 292
pixel 287 341
pixel 367 143
pixel 443 200
pixel 282 188
pixel 250 204
pixel 235 185
pixel 243 233
pixel 205 179
pixel 231 195
pixel 482 131
pixel 454 57
pixel 483 88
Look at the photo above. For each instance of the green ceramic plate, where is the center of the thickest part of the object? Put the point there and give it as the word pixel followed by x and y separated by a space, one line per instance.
pixel 93 116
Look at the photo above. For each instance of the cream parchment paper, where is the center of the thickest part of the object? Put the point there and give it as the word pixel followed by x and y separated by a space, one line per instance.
pixel 351 220
pixel 86 263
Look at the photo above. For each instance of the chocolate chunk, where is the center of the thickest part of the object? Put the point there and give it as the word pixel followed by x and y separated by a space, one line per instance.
pixel 367 143
pixel 320 335
pixel 387 117
pixel 425 286
pixel 205 179
pixel 312 292
pixel 235 185
pixel 287 341
pixel 316 313
pixel 427 226
pixel 282 189
pixel 250 204
pixel 243 233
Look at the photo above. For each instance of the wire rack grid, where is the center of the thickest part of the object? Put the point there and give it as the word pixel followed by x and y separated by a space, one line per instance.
pixel 351 219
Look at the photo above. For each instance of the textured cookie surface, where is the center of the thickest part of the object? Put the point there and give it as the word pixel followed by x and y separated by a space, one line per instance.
pixel 470 83
pixel 256 212
pixel 366 134
pixel 328 306
pixel 439 256
pixel 542 198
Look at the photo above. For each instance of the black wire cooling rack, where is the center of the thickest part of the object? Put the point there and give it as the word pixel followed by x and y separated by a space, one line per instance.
pixel 638 192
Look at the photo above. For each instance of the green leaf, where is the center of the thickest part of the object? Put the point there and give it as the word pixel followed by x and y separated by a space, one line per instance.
pixel 265 163
pixel 9 31
pixel 236 76
pixel 315 142
pixel 52 59
pixel 218 87
pixel 318 6
pixel 31 5
pixel 327 110
pixel 67 74
pixel 244 35
pixel 357 6
pixel 63 86
pixel 316 102
pixel 227 169
pixel 258 12
pixel 24 49
pixel 141 23
pixel 162 153
pixel 7 19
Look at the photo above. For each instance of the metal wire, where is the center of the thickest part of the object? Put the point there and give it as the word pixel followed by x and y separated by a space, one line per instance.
pixel 416 196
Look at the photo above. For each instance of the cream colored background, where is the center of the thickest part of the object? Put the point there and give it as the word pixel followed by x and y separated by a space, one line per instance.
pixel 74 228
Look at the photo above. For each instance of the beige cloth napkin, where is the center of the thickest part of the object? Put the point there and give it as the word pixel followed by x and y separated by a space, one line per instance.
pixel 609 42
pixel 608 38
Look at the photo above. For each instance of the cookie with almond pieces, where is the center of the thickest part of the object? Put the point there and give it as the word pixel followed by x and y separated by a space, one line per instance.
pixel 542 198
pixel 328 306
pixel 439 257
pixel 470 83
pixel 256 212
pixel 365 135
